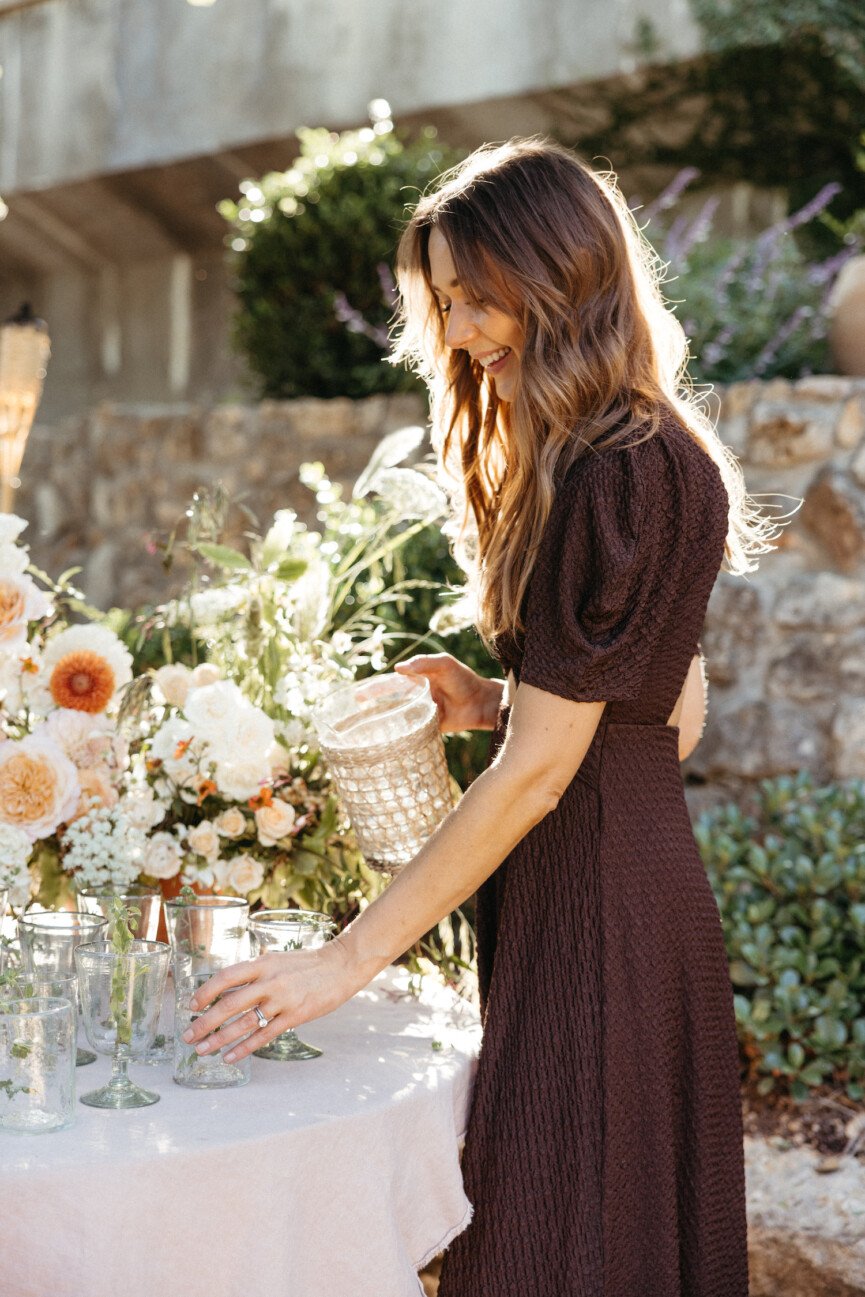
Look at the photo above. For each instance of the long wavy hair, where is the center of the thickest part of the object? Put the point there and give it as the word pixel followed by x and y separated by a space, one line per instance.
pixel 537 233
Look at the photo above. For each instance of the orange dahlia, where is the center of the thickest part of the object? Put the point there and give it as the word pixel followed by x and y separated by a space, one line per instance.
pixel 82 681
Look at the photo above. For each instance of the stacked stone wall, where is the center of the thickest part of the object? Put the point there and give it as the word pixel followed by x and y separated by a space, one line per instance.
pixel 785 644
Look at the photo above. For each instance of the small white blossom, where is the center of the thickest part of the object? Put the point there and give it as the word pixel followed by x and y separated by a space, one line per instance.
pixel 104 849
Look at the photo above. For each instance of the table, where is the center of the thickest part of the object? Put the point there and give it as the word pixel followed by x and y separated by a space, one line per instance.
pixel 337 1177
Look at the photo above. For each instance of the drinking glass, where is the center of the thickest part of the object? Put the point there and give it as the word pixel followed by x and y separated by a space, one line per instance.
pixel 37 1064
pixel 48 941
pixel 26 985
pixel 200 1071
pixel 4 896
pixel 211 930
pixel 284 930
pixel 121 995
pixel 144 905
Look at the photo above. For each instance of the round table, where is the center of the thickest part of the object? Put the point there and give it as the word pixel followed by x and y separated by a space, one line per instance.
pixel 337 1177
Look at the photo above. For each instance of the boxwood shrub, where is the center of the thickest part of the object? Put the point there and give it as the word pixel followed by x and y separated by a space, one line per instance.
pixel 789 878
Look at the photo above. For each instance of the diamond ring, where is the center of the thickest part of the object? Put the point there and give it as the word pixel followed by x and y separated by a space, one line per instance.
pixel 262 1021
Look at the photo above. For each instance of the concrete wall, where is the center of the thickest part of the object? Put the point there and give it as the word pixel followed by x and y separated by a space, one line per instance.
pixel 94 86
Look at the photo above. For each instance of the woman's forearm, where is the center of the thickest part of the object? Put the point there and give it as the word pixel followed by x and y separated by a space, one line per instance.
pixel 499 808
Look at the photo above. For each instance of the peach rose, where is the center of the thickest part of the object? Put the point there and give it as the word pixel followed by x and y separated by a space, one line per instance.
pixel 39 786
pixel 162 856
pixel 231 823
pixel 95 783
pixel 245 874
pixel 21 601
pixel 205 674
pixel 174 681
pixel 274 822
pixel 203 839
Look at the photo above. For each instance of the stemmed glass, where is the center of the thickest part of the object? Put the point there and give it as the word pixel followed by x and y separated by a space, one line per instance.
pixel 142 905
pixel 48 941
pixel 284 930
pixel 121 996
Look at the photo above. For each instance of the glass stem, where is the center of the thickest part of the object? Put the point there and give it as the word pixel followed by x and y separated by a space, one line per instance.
pixel 119 1070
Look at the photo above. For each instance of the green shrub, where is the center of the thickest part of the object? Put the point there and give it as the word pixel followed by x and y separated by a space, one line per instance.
pixel 314 248
pixel 789 879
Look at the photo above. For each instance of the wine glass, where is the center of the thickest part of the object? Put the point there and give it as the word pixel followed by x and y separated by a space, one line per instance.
pixel 48 941
pixel 121 996
pixel 284 930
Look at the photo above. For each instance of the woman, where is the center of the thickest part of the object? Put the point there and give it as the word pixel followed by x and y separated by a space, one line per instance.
pixel 595 506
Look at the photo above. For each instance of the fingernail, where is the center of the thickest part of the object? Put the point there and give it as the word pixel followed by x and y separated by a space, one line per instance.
pixel 229 1058
pixel 193 1003
pixel 187 1036
pixel 203 1048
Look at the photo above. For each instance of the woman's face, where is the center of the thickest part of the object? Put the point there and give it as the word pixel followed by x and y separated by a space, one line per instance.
pixel 488 334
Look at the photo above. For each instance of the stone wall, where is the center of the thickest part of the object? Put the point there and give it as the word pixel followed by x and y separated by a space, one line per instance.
pixel 785 645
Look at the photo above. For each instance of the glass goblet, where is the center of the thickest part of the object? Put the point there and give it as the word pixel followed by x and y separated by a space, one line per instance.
pixel 284 930
pixel 144 907
pixel 48 941
pixel 121 996
pixel 56 986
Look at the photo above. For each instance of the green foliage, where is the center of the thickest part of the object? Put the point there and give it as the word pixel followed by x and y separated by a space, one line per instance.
pixel 314 249
pixel 838 24
pixel 789 879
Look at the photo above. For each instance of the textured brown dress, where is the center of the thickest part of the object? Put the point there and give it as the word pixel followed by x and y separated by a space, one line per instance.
pixel 604 1155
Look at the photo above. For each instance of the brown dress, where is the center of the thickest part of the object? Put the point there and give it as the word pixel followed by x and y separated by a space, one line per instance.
pixel 604 1156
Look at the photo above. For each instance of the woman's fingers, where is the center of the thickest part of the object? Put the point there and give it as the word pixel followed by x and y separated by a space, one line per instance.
pixel 228 1006
pixel 224 980
pixel 261 1038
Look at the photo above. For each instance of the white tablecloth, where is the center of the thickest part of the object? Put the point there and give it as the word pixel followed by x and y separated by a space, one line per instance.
pixel 337 1177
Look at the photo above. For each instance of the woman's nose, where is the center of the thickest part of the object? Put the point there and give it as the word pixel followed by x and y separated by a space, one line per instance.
pixel 460 326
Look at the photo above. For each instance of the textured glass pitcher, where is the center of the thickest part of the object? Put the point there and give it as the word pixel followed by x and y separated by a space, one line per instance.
pixel 382 742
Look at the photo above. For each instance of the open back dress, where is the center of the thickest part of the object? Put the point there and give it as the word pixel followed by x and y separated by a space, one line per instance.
pixel 604 1154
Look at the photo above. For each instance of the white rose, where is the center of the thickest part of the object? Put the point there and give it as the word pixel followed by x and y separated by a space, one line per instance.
pixel 206 673
pixel 245 874
pixel 162 856
pixel 142 807
pixel 251 736
pixel 237 783
pixel 11 527
pixel 221 870
pixel 213 710
pixel 278 760
pixel 174 682
pixel 274 822
pixel 231 823
pixel 204 840
pixel 171 745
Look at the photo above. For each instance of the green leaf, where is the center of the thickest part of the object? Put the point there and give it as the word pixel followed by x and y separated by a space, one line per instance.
pixel 224 556
pixel 289 569
pixel 796 1054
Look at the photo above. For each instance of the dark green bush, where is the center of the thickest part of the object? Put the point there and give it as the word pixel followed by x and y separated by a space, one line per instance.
pixel 789 879
pixel 313 253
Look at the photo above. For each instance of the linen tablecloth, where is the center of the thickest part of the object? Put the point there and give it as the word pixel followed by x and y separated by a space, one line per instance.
pixel 337 1177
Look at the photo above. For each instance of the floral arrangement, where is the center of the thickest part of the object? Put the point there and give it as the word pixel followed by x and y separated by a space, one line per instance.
pixel 202 773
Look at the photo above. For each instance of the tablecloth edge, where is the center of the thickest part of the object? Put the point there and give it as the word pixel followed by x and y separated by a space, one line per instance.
pixel 445 1243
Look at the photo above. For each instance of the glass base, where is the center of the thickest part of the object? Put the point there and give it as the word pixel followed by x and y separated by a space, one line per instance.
pixel 161 1051
pixel 35 1123
pixel 119 1096
pixel 288 1048
pixel 83 1057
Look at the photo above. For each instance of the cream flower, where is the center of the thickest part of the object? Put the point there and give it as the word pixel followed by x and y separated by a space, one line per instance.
pixel 11 527
pixel 238 782
pixel 213 709
pixel 274 822
pixel 39 786
pixel 278 760
pixel 21 601
pixel 206 673
pixel 245 874
pixel 171 745
pixel 84 666
pixel 174 682
pixel 142 808
pixel 203 839
pixel 231 823
pixel 86 740
pixel 252 736
pixel 13 558
pixel 95 785
pixel 221 870
pixel 162 856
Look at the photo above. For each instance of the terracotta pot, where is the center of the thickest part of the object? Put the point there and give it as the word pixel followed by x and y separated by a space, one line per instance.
pixel 847 319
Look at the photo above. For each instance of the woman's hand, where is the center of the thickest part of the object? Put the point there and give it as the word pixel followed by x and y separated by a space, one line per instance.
pixel 289 988
pixel 465 700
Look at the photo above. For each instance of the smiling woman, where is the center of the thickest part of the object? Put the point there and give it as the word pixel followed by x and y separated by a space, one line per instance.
pixel 594 506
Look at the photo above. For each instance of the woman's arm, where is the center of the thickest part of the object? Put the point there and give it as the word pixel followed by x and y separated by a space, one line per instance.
pixel 690 710
pixel 547 740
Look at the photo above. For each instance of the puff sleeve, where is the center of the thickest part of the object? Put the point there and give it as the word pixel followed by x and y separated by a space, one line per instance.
pixel 609 567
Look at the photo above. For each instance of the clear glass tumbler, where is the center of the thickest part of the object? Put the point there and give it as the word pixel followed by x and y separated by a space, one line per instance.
pixel 200 1071
pixel 382 743
pixel 4 897
pixel 37 1064
pixel 284 930
pixel 121 996
pixel 56 986
pixel 211 930
pixel 48 941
